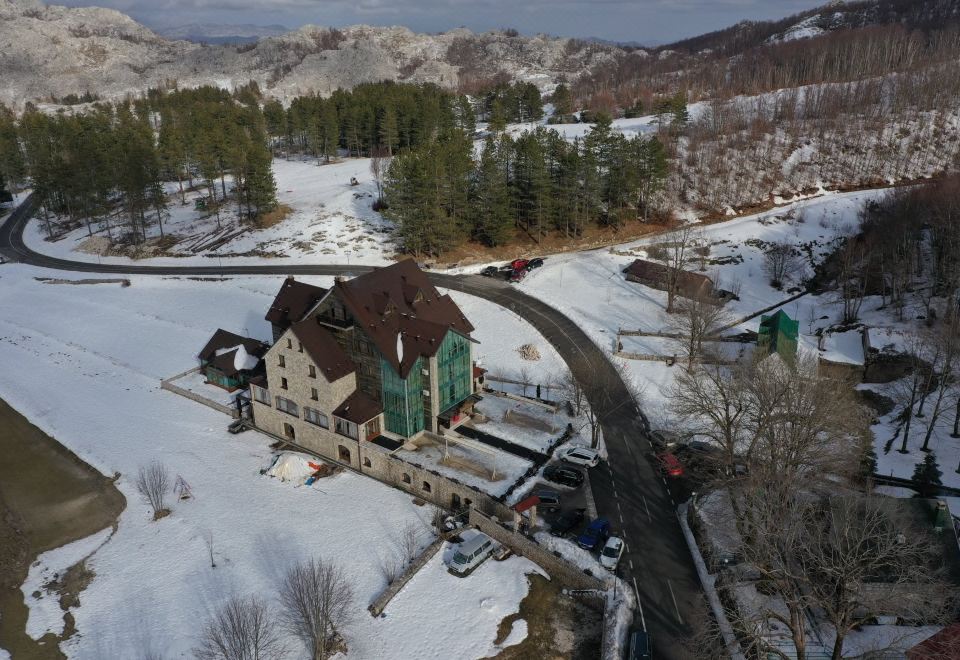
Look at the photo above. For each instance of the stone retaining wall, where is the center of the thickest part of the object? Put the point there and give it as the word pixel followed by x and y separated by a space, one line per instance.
pixel 193 396
pixel 559 569
pixel 381 601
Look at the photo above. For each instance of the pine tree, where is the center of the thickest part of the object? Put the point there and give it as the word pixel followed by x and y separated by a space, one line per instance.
pixel 498 116
pixel 493 222
pixel 927 476
pixel 387 132
pixel 562 100
pixel 12 166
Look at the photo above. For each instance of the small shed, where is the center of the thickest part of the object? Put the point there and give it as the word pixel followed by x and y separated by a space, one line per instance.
pixel 944 645
pixel 779 333
pixel 230 361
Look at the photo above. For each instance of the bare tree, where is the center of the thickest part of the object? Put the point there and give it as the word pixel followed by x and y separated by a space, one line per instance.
pixel 153 483
pixel 715 402
pixel 863 558
pixel 379 164
pixel 949 345
pixel 409 542
pixel 779 260
pixel 243 629
pixel 316 600
pixel 208 541
pixel 697 320
pixel 573 391
pixel 680 252
pixel 524 378
pixel 907 391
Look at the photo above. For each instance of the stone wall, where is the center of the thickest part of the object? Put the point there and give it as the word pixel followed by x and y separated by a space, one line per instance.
pixel 381 601
pixel 559 569
pixel 193 396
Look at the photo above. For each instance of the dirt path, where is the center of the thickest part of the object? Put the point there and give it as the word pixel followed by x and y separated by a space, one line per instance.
pixel 48 498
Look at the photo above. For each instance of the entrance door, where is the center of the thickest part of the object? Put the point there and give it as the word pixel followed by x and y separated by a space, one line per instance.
pixel 289 432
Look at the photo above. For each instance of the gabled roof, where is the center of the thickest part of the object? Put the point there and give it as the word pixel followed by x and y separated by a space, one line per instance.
pixel 687 281
pixel 358 408
pixel 221 351
pixel 399 300
pixel 944 645
pixel 323 349
pixel 293 301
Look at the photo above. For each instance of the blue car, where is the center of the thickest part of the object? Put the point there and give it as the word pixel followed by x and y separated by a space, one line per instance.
pixel 595 534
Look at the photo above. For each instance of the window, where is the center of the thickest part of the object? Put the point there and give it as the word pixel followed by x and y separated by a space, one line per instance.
pixel 406 478
pixel 345 427
pixel 261 394
pixel 315 417
pixel 426 487
pixel 288 406
pixel 300 347
pixel 373 428
pixel 283 384
pixel 313 394
pixel 283 361
pixel 312 370
pixel 289 343
pixel 343 453
pixel 366 462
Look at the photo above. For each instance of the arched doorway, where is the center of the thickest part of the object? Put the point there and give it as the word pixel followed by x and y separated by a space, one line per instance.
pixel 343 453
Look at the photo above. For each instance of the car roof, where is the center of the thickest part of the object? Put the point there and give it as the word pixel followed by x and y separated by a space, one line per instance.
pixel 582 450
pixel 668 458
pixel 615 541
pixel 599 522
pixel 472 545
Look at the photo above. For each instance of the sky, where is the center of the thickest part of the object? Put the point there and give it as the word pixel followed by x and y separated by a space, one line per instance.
pixel 649 22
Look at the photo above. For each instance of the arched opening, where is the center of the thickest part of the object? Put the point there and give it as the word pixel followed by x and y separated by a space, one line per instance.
pixel 343 453
pixel 366 462
pixel 406 478
pixel 455 502
pixel 426 487
pixel 289 432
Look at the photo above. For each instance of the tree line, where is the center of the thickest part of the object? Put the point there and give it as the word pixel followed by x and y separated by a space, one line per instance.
pixel 443 193
pixel 369 118
pixel 87 166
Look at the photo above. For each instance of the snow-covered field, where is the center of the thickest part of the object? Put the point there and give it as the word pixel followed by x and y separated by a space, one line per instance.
pixel 87 363
pixel 331 222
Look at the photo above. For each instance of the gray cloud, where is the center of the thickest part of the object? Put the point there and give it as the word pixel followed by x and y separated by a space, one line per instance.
pixel 646 21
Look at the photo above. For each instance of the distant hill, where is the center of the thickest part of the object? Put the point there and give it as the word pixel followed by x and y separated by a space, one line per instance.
pixel 221 34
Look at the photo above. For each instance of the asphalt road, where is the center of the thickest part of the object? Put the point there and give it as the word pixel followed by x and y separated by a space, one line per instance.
pixel 627 489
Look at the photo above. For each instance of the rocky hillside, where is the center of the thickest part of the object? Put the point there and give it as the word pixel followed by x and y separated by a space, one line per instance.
pixel 55 51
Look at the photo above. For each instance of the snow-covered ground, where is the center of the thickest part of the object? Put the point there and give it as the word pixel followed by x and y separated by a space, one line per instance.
pixel 87 363
pixel 331 222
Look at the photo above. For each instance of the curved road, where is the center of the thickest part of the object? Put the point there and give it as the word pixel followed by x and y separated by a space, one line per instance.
pixel 627 489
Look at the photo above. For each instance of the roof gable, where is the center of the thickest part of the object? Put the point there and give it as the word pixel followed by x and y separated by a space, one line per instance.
pixel 222 339
pixel 400 300
pixel 323 349
pixel 293 301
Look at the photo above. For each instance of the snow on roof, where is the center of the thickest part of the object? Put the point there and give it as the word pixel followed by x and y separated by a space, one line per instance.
pixel 242 361
pixel 843 347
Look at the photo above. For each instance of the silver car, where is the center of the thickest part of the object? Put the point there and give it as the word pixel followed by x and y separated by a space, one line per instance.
pixel 581 456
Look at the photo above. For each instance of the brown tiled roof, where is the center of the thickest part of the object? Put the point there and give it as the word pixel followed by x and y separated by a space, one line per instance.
pixel 687 283
pixel 358 408
pixel 399 299
pixel 323 349
pixel 293 301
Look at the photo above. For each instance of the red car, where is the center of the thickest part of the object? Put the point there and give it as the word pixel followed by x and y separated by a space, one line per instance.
pixel 669 464
pixel 519 264
pixel 518 275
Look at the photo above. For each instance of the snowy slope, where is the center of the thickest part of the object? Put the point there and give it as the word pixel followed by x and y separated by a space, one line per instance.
pixel 107 406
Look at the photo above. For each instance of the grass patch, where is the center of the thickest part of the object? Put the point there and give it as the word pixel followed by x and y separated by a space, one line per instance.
pixel 557 626
pixel 276 216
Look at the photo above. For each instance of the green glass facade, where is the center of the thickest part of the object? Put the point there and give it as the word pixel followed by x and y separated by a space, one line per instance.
pixel 779 334
pixel 454 370
pixel 402 398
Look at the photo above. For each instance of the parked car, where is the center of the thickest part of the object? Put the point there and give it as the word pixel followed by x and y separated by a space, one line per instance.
pixel 490 271
pixel 471 553
pixel 567 522
pixel 536 262
pixel 549 500
pixel 519 264
pixel 563 475
pixel 580 456
pixel 639 647
pixel 595 534
pixel 611 553
pixel 669 464
pixel 518 275
pixel 663 440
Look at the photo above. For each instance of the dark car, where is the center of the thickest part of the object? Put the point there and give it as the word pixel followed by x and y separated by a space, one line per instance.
pixel 518 275
pixel 639 648
pixel 534 263
pixel 567 522
pixel 563 475
pixel 490 271
pixel 595 535
pixel 549 500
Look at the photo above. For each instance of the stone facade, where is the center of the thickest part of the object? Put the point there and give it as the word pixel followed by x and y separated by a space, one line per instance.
pixel 305 391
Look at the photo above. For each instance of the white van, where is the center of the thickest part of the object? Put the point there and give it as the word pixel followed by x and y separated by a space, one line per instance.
pixel 472 553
